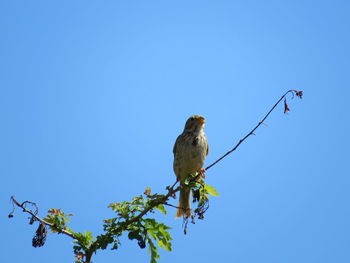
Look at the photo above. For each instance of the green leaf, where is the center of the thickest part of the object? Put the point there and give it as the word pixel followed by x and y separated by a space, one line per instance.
pixel 83 240
pixel 153 250
pixel 163 243
pixel 211 190
pixel 161 208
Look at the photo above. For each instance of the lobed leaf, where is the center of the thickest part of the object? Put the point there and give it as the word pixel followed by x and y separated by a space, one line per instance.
pixel 211 190
pixel 161 208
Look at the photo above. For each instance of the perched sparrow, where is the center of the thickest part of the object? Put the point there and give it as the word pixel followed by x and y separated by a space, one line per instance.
pixel 190 150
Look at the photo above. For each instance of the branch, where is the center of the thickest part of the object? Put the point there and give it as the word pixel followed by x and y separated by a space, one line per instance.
pixel 162 200
pixel 171 190
pixel 154 201
pixel 297 93
pixel 62 231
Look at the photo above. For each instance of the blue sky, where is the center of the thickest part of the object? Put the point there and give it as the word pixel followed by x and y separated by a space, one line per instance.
pixel 94 93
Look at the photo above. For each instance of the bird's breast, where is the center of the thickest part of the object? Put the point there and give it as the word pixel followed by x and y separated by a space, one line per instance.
pixel 190 156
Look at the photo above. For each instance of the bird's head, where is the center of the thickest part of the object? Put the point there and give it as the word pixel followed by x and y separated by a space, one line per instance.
pixel 195 124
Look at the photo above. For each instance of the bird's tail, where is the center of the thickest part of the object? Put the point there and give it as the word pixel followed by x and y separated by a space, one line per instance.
pixel 184 203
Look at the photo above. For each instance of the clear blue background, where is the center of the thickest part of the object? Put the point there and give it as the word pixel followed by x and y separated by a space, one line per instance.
pixel 94 93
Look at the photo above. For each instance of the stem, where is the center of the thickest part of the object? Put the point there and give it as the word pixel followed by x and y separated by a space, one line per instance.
pixel 88 256
pixel 62 231
pixel 252 131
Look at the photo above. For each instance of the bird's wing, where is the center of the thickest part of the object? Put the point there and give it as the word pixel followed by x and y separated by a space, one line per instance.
pixel 177 142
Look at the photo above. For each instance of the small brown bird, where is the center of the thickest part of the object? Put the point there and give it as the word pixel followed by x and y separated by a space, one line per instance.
pixel 190 151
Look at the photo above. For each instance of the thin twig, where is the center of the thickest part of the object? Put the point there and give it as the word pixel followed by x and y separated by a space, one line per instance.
pixel 177 207
pixel 62 231
pixel 252 131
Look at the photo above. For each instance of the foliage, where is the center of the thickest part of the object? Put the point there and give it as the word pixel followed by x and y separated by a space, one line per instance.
pixel 58 220
pixel 130 218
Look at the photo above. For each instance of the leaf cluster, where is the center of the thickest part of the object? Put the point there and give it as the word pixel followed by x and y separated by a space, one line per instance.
pixel 58 220
pixel 130 218
pixel 146 231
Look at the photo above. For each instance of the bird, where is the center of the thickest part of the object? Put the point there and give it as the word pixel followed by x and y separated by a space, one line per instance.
pixel 190 150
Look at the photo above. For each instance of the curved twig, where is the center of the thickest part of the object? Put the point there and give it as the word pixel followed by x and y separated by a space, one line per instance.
pixel 298 93
pixel 33 214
